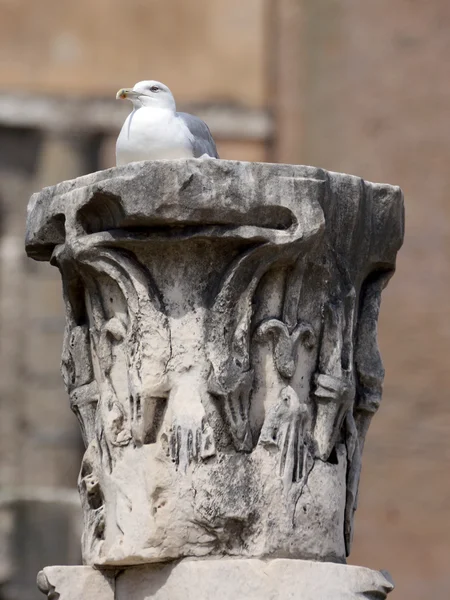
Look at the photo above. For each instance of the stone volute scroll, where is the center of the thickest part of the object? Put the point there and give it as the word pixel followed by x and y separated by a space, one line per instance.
pixel 220 354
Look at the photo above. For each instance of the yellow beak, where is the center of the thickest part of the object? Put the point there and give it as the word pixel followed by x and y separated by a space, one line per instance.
pixel 124 93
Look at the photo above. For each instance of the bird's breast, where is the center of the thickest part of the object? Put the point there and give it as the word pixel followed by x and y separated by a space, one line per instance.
pixel 152 134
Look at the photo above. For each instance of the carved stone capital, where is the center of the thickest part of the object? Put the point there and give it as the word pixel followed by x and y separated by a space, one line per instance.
pixel 220 352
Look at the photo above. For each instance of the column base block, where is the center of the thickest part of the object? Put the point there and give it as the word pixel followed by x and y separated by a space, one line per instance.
pixel 223 579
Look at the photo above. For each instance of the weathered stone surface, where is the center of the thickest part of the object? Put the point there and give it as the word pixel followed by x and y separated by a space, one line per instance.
pixel 76 583
pixel 220 352
pixel 229 579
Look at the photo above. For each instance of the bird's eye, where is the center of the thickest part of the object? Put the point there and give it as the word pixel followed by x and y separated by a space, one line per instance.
pixel 154 88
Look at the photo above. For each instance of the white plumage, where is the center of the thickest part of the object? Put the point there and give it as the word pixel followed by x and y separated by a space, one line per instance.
pixel 154 130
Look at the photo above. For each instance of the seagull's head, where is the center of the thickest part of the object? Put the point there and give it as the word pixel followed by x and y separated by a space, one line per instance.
pixel 148 93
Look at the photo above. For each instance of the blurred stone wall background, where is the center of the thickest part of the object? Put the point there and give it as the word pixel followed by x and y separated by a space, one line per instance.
pixel 351 86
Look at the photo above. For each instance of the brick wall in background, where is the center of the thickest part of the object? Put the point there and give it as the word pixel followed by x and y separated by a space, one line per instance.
pixel 204 51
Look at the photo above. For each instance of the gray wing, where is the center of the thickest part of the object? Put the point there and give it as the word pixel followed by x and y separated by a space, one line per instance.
pixel 203 142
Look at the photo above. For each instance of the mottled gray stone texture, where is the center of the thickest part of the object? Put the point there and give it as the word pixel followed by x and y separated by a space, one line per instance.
pixel 220 352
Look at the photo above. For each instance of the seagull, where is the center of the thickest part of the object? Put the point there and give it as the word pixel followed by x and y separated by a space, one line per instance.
pixel 155 130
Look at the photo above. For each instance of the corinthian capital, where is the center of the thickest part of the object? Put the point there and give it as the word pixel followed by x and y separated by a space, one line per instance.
pixel 220 352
